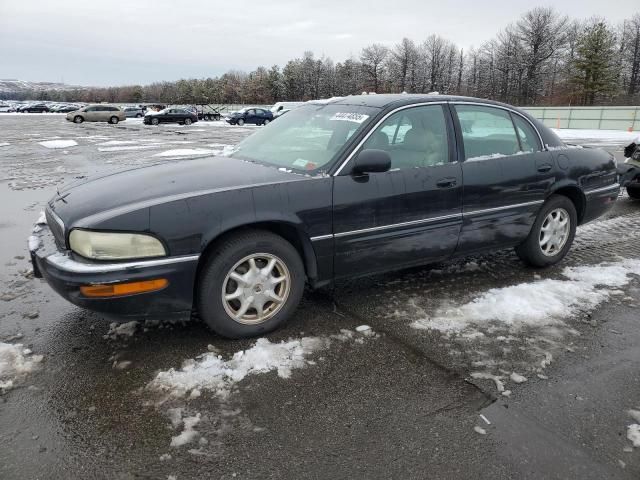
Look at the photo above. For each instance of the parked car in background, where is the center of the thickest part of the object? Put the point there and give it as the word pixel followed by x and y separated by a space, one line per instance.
pixel 67 108
pixel 133 112
pixel 346 188
pixel 35 108
pixel 97 113
pixel 171 115
pixel 250 115
pixel 280 108
pixel 629 171
pixel 6 108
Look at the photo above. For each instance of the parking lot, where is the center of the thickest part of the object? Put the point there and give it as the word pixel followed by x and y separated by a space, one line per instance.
pixel 457 370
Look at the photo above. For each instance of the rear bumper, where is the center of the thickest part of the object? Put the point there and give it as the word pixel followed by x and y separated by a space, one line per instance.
pixel 66 274
pixel 599 201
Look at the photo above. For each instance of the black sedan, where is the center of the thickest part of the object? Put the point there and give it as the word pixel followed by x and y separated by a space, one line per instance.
pixel 250 115
pixel 171 115
pixel 345 188
pixel 34 108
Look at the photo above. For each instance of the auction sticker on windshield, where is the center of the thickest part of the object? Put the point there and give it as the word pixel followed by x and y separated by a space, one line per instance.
pixel 350 117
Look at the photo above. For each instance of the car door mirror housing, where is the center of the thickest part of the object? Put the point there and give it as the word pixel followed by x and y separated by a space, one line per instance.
pixel 371 161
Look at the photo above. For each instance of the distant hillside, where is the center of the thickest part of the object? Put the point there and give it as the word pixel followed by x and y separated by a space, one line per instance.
pixel 20 86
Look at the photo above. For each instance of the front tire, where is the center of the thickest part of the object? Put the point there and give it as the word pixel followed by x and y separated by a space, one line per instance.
pixel 78 119
pixel 634 191
pixel 266 122
pixel 187 121
pixel 240 122
pixel 155 121
pixel 552 233
pixel 251 283
pixel 113 120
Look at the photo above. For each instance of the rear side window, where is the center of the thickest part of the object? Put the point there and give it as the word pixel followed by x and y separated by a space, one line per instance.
pixel 487 132
pixel 528 136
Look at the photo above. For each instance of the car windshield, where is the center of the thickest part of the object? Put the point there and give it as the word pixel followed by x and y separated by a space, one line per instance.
pixel 307 138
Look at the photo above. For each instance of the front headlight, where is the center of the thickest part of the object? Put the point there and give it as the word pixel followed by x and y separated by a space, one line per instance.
pixel 114 246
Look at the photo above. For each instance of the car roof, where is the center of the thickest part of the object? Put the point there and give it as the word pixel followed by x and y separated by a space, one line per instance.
pixel 399 99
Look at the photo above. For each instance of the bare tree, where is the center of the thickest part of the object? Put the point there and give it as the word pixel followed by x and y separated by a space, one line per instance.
pixel 373 59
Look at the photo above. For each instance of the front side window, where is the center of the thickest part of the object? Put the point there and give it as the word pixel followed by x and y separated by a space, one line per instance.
pixel 307 138
pixel 414 137
pixel 487 132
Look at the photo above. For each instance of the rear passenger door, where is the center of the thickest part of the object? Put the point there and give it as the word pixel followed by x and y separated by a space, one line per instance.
pixel 506 175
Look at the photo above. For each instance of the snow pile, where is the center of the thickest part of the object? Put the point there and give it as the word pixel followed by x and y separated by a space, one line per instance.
pixel 211 372
pixel 543 302
pixel 188 433
pixel 15 363
pixel 59 143
pixel 117 330
pixel 184 152
pixel 4 144
pixel 633 430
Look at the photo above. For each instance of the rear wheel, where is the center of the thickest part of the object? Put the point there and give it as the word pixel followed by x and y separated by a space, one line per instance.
pixel 266 122
pixel 78 119
pixel 634 190
pixel 113 120
pixel 240 122
pixel 250 284
pixel 552 233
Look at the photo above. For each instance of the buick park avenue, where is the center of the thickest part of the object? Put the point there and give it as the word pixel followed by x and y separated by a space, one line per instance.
pixel 343 188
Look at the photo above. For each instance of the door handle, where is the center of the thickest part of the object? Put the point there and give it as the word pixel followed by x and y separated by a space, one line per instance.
pixel 446 182
pixel 544 168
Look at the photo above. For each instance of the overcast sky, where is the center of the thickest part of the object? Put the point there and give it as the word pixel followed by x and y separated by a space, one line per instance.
pixel 118 42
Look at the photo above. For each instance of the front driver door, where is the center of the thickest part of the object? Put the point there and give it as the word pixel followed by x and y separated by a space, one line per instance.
pixel 409 215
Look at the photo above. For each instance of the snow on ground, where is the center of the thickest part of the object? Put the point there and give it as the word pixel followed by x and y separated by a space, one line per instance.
pixel 15 363
pixel 4 144
pixel 117 330
pixel 183 152
pixel 614 136
pixel 59 143
pixel 539 303
pixel 125 148
pixel 211 372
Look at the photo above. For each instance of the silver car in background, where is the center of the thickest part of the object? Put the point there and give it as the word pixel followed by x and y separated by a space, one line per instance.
pixel 97 113
pixel 133 112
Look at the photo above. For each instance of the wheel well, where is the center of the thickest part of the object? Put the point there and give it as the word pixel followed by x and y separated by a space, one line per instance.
pixel 289 232
pixel 577 197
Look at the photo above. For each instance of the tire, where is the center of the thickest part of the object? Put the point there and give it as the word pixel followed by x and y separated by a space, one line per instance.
pixel 240 122
pixel 113 120
pixel 634 191
pixel 266 122
pixel 138 115
pixel 232 255
pixel 187 121
pixel 155 121
pixel 532 250
pixel 78 119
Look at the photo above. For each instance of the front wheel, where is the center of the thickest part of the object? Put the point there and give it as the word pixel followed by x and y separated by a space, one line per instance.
pixel 78 119
pixel 634 190
pixel 155 121
pixel 250 284
pixel 187 121
pixel 552 233
pixel 266 122
pixel 113 120
pixel 240 122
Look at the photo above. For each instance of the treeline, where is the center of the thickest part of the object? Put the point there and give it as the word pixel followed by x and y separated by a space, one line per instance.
pixel 541 59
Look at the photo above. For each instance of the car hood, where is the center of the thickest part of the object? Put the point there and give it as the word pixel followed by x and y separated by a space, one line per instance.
pixel 112 194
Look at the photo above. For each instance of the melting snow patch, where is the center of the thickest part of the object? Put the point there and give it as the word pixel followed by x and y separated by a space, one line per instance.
pixel 15 363
pixel 633 434
pixel 188 433
pixel 480 430
pixel 542 302
pixel 125 148
pixel 184 152
pixel 121 330
pixel 59 143
pixel 517 378
pixel 211 372
pixel 4 144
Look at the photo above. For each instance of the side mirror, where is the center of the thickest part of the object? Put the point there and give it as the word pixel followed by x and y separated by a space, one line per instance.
pixel 371 161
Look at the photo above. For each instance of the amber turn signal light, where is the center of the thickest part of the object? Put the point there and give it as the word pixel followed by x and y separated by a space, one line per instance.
pixel 119 289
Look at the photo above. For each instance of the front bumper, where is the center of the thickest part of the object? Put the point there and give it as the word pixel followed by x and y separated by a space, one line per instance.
pixel 66 273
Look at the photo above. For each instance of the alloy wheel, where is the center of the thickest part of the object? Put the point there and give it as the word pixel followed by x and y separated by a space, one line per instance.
pixel 554 232
pixel 256 288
